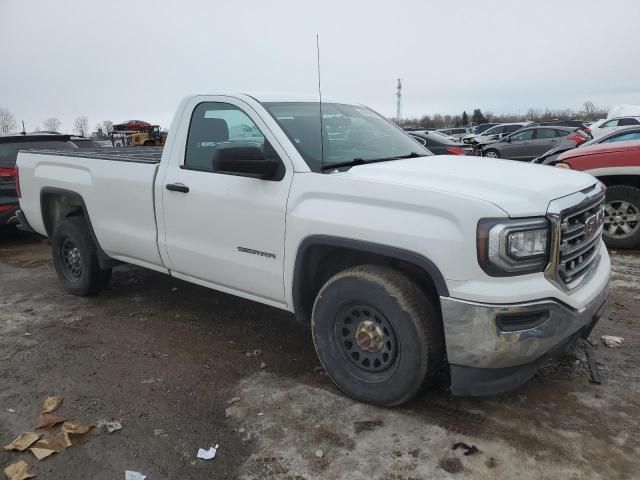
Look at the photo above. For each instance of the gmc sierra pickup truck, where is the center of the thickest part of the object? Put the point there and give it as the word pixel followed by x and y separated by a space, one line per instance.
pixel 406 266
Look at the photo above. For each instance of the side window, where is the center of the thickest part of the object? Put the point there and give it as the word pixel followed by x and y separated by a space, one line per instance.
pixel 561 133
pixel 624 137
pixel 544 133
pixel 524 135
pixel 627 121
pixel 610 123
pixel 215 125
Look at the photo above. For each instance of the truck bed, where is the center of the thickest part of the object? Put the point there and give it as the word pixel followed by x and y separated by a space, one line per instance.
pixel 119 154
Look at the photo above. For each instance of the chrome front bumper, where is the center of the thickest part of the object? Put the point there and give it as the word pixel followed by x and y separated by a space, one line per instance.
pixel 495 348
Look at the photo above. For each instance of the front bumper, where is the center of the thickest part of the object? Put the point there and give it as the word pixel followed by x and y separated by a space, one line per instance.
pixel 495 348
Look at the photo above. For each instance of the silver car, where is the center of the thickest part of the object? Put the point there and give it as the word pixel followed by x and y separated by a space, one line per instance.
pixel 531 142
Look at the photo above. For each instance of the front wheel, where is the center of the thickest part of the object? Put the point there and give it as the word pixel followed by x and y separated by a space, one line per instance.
pixel 492 154
pixel 75 258
pixel 378 336
pixel 622 217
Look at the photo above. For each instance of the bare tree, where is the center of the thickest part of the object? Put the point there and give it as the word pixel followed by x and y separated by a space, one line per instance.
pixel 7 121
pixel 107 127
pixel 51 124
pixel 81 126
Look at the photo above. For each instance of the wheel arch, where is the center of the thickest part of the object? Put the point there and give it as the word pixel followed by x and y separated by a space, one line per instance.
pixel 611 180
pixel 57 204
pixel 319 257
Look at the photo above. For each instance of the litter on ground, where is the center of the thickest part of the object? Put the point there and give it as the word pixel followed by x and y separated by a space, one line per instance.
pixel 51 404
pixel 207 454
pixel 131 475
pixel 48 420
pixel 612 341
pixel 18 471
pixel 24 441
pixel 109 426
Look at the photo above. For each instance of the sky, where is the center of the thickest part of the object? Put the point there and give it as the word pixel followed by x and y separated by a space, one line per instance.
pixel 120 59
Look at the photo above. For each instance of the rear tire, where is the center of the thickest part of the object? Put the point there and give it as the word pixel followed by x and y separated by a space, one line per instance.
pixel 378 336
pixel 622 217
pixel 75 258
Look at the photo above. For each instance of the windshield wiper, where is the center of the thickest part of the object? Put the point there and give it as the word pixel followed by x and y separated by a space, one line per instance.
pixel 361 161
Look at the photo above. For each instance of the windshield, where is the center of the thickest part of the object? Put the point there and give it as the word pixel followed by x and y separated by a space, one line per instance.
pixel 350 132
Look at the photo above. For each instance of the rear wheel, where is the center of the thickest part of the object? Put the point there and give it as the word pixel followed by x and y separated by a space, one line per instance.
pixel 378 336
pixel 492 154
pixel 622 217
pixel 75 258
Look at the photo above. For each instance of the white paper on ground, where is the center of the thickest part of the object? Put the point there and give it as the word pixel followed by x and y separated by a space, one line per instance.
pixel 130 475
pixel 207 454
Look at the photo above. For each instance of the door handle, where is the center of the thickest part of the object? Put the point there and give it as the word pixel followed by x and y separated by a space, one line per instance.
pixel 177 187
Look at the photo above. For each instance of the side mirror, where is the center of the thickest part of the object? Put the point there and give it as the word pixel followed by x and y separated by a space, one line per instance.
pixel 506 139
pixel 246 161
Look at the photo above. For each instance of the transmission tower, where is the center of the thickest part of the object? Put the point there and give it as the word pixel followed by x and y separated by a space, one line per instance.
pixel 399 105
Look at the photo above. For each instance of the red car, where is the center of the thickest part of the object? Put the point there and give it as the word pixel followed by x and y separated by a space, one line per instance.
pixel 617 165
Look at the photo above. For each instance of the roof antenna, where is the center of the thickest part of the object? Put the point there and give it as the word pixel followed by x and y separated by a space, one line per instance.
pixel 320 104
pixel 24 131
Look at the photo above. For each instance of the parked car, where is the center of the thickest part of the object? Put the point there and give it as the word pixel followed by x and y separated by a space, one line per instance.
pixel 494 133
pixel 563 123
pixel 82 142
pixel 391 255
pixel 614 124
pixel 10 144
pixel 626 134
pixel 482 127
pixel 530 142
pixel 457 132
pixel 439 145
pixel 617 165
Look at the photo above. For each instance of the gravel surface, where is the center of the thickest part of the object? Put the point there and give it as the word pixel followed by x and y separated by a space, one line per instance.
pixel 169 361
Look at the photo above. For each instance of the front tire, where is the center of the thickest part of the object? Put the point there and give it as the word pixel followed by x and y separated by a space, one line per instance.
pixel 378 336
pixel 492 154
pixel 75 258
pixel 622 217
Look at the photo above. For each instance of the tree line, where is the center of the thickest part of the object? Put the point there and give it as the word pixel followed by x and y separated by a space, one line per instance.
pixel 589 112
pixel 8 124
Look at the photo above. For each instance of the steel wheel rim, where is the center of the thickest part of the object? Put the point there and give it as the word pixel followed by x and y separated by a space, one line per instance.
pixel 621 219
pixel 356 330
pixel 71 260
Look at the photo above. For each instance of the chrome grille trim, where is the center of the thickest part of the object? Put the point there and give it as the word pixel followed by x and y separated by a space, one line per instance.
pixel 574 251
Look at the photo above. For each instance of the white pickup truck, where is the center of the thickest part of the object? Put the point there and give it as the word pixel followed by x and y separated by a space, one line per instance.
pixel 405 265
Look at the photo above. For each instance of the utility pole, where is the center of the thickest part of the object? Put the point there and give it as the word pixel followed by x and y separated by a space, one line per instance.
pixel 399 105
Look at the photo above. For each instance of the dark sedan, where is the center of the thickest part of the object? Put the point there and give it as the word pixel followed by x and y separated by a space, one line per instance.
pixel 530 142
pixel 9 146
pixel 439 144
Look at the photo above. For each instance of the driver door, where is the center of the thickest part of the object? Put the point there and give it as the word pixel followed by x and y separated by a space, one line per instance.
pixel 519 145
pixel 222 230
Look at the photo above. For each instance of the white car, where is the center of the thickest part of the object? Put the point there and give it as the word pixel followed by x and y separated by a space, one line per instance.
pixel 613 124
pixel 403 264
pixel 457 132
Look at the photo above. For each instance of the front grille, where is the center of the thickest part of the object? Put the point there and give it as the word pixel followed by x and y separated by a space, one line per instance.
pixel 579 238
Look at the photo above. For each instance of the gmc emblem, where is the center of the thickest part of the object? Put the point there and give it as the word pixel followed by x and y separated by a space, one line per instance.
pixel 593 223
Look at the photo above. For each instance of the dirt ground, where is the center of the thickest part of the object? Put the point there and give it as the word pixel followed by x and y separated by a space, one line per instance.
pixel 166 358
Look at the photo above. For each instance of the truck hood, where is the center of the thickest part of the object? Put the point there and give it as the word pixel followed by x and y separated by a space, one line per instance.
pixel 520 189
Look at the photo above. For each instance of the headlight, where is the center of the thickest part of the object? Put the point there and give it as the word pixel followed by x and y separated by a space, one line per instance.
pixel 513 247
